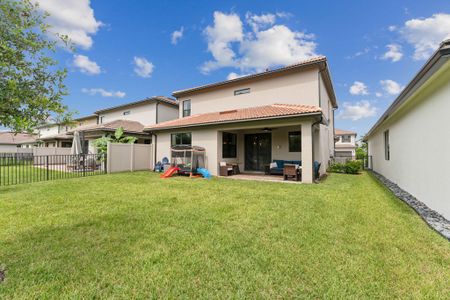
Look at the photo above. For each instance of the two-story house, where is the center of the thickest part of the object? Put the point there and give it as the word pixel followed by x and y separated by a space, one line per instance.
pixel 281 114
pixel 131 117
pixel 56 135
pixel 345 145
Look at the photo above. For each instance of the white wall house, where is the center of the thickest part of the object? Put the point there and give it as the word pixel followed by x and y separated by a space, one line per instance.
pixel 410 143
pixel 16 142
pixel 345 145
pixel 131 117
pixel 281 114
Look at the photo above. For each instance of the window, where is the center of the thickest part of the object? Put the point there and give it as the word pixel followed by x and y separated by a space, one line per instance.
pixel 295 141
pixel 66 144
pixel 186 108
pixel 229 145
pixel 346 138
pixel 181 138
pixel 147 141
pixel 101 119
pixel 387 154
pixel 241 91
pixel 127 112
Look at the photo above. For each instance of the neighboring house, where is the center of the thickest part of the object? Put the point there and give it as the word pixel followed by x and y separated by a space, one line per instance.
pixel 284 114
pixel 55 135
pixel 10 142
pixel 410 143
pixel 345 145
pixel 129 116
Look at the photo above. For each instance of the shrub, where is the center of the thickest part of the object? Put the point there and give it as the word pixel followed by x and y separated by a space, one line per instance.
pixel 350 167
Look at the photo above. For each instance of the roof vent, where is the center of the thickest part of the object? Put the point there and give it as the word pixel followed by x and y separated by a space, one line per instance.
pixel 228 112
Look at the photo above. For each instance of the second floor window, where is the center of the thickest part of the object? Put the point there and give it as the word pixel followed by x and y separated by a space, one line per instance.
pixel 186 108
pixel 346 139
pixel 241 91
pixel 101 119
pixel 127 112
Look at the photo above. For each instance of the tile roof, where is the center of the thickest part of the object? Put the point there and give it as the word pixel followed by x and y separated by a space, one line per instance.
pixel 11 138
pixel 243 114
pixel 146 100
pixel 127 125
pixel 341 132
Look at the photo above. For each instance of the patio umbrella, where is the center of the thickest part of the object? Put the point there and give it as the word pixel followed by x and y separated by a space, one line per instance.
pixel 76 144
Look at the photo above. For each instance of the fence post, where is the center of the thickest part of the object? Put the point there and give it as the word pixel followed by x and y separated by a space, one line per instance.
pixel 132 158
pixel 108 158
pixel 46 166
pixel 84 164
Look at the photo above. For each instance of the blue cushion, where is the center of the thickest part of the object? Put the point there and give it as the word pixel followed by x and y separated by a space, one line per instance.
pixel 280 163
pixel 296 162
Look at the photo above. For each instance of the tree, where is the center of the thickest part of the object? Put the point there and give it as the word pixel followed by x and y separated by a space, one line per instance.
pixel 119 137
pixel 31 85
pixel 361 150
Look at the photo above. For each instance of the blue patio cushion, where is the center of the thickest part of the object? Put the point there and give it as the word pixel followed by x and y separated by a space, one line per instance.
pixel 280 163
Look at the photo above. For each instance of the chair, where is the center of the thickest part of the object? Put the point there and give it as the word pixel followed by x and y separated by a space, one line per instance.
pixel 291 171
pixel 225 169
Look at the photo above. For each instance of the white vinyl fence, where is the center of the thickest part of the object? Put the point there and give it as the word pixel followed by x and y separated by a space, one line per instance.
pixel 129 157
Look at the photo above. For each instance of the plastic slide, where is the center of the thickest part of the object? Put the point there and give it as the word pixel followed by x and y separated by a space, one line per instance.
pixel 204 172
pixel 170 172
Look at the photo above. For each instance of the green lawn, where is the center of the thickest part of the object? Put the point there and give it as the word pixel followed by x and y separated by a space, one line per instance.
pixel 133 235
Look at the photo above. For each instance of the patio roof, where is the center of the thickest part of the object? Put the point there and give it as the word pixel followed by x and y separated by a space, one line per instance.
pixel 127 125
pixel 11 138
pixel 273 111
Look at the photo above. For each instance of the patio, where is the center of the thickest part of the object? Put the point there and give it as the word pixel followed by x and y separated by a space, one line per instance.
pixel 260 177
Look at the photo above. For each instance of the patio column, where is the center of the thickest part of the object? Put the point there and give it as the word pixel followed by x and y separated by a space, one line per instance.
pixel 307 152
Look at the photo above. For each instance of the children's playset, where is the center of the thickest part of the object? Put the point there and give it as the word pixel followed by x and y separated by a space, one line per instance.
pixel 185 160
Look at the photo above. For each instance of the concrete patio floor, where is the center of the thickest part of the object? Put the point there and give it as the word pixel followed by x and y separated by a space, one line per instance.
pixel 260 177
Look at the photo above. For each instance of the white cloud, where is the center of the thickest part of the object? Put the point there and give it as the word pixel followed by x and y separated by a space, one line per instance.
pixel 234 75
pixel 85 65
pixel 103 92
pixel 378 94
pixel 143 67
pixel 391 87
pixel 177 35
pixel 358 88
pixel 256 50
pixel 226 29
pixel 359 110
pixel 392 28
pixel 426 34
pixel 74 18
pixel 394 53
pixel 260 21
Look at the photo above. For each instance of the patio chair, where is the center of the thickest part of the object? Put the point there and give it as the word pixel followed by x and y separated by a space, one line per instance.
pixel 225 169
pixel 291 171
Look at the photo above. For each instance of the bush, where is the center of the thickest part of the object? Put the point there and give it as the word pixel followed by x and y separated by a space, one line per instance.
pixel 350 167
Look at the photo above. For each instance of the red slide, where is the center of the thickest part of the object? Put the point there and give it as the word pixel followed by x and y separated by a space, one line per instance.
pixel 170 172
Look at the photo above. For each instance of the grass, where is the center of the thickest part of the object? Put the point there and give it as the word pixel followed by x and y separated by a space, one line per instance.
pixel 133 235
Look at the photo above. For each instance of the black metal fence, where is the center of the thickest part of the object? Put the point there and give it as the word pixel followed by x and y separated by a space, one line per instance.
pixel 16 168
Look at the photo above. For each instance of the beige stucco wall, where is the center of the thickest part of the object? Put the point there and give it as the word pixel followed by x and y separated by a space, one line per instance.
pixel 48 130
pixel 419 141
pixel 166 113
pixel 8 149
pixel 144 113
pixel 296 88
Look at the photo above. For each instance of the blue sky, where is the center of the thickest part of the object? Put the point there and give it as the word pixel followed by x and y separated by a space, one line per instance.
pixel 129 50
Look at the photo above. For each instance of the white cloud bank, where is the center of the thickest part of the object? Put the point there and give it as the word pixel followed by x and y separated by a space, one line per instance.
pixel 143 67
pixel 425 35
pixel 359 110
pixel 74 18
pixel 394 53
pixel 391 87
pixel 358 88
pixel 103 92
pixel 177 35
pixel 85 65
pixel 265 45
